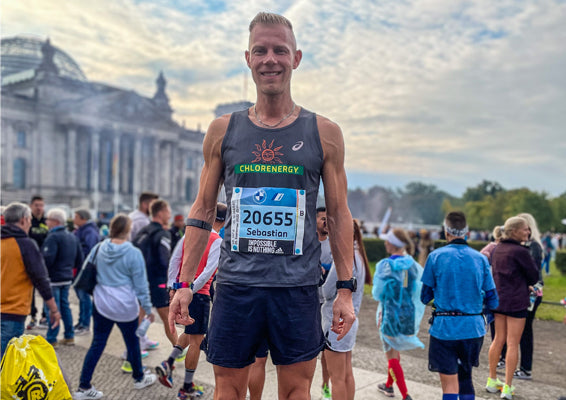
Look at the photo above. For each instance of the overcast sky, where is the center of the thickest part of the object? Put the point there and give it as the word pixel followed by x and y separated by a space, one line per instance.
pixel 446 92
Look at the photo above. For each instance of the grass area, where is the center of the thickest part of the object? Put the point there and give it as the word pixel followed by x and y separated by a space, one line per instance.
pixel 367 288
pixel 554 290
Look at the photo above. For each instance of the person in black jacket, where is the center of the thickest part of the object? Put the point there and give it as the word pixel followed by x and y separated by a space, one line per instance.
pixel 38 232
pixel 62 252
pixel 154 241
pixel 88 236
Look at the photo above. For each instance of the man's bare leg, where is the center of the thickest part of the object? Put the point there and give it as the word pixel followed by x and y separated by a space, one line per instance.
pixel 191 360
pixel 231 383
pixel 325 375
pixel 336 363
pixel 449 383
pixel 164 315
pixel 294 381
pixel 257 378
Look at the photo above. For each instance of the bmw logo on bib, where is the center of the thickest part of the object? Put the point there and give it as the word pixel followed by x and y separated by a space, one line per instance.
pixel 260 196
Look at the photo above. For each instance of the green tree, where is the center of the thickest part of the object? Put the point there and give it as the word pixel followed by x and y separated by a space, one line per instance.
pixel 479 192
pixel 523 200
pixel 422 203
pixel 558 206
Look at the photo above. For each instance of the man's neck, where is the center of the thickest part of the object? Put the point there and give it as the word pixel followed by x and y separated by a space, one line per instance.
pixel 274 106
pixel 450 238
pixel 322 238
pixel 21 226
pixel 37 216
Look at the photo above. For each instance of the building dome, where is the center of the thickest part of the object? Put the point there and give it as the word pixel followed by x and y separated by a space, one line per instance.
pixel 23 53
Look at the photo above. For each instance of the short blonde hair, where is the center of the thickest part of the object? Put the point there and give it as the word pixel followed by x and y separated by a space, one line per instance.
pixel 511 225
pixel 266 18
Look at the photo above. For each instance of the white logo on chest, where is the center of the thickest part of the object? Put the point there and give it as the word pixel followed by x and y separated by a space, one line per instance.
pixel 297 146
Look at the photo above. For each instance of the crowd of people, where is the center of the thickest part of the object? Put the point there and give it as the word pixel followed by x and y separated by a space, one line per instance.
pixel 288 276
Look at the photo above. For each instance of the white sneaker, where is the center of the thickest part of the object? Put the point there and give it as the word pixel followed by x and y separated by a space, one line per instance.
pixel 87 394
pixel 148 380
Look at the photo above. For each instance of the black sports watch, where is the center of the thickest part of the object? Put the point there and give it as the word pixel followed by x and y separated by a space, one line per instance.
pixel 351 284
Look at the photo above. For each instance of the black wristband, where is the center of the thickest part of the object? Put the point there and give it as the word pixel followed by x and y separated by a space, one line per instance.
pixel 198 223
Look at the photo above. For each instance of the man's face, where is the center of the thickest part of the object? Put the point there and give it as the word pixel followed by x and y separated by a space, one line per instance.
pixel 144 207
pixel 78 221
pixel 26 223
pixel 51 223
pixel 37 208
pixel 164 216
pixel 272 58
pixel 179 223
pixel 321 227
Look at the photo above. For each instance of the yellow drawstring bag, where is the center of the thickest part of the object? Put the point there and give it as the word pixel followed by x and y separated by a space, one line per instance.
pixel 30 371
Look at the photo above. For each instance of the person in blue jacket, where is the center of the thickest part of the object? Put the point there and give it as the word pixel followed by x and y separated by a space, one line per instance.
pixel 459 280
pixel 397 287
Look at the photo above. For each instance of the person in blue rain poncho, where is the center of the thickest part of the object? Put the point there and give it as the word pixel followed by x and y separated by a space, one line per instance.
pixel 397 287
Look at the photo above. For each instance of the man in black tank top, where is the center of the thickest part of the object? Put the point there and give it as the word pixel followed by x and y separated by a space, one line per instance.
pixel 270 159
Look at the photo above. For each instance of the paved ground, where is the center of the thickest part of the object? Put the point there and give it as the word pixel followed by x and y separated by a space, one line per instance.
pixel 369 366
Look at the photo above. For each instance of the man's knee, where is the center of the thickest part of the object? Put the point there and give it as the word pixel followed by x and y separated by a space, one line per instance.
pixel 295 380
pixel 231 383
pixel 195 340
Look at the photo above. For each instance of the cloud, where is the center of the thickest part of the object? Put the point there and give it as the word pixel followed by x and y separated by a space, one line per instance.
pixel 423 88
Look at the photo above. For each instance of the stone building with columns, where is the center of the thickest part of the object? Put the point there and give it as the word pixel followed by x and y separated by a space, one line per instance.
pixel 84 143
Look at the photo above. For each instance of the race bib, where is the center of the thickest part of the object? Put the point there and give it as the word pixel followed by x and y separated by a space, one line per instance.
pixel 268 220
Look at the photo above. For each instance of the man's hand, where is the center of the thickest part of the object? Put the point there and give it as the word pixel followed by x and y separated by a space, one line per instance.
pixel 343 315
pixel 54 318
pixel 179 308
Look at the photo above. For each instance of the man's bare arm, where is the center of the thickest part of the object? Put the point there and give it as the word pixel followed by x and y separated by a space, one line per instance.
pixel 203 209
pixel 339 219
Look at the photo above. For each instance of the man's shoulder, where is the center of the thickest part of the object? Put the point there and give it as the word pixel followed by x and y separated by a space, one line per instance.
pixel 217 131
pixel 28 245
pixel 137 216
pixel 326 125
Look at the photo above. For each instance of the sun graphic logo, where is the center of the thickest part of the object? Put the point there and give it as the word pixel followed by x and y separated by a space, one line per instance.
pixel 267 153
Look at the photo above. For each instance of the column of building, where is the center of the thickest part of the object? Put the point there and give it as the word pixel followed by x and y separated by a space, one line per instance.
pixel 137 171
pixel 71 165
pixel 95 168
pixel 8 133
pixel 116 172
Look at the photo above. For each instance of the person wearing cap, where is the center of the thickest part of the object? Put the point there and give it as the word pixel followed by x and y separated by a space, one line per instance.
pixel 459 280
pixel 88 235
pixel 199 308
pixel 397 287
pixel 177 230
